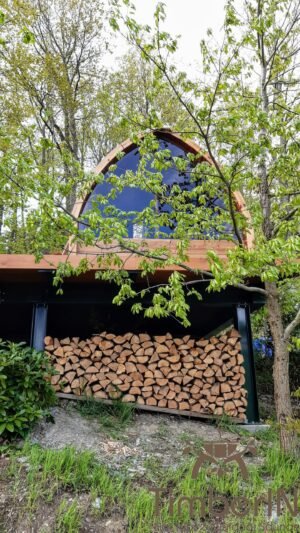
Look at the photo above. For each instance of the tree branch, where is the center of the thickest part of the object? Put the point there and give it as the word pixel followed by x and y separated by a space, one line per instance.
pixel 291 327
pixel 285 218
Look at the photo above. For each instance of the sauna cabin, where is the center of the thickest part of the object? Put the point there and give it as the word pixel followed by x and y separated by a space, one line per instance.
pixel 102 350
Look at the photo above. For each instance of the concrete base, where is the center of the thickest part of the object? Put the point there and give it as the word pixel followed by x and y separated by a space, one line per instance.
pixel 254 428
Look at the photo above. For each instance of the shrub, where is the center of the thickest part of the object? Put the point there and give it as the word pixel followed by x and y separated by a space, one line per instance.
pixel 264 372
pixel 25 390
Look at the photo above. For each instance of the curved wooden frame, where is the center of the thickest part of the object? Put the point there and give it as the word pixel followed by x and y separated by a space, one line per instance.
pixel 190 146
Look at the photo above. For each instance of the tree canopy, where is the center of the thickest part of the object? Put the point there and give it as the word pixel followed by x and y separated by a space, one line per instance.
pixel 243 109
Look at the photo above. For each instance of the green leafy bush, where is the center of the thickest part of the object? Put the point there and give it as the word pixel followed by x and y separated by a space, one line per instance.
pixel 264 373
pixel 25 393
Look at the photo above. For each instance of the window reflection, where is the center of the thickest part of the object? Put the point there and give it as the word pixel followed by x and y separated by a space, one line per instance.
pixel 136 199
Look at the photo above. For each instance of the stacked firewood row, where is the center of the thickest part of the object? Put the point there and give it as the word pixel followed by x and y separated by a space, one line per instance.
pixel 186 374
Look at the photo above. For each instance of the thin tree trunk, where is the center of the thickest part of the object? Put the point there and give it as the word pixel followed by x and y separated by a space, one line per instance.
pixel 282 393
pixel 1 217
pixel 71 197
pixel 72 144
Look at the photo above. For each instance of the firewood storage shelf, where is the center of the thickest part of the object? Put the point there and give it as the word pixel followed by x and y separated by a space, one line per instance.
pixel 203 377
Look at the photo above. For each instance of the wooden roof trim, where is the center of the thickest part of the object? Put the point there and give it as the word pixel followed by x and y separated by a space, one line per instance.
pixel 187 144
pixel 197 251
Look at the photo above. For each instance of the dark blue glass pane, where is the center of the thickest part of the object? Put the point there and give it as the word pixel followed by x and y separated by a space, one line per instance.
pixel 130 199
pixel 135 199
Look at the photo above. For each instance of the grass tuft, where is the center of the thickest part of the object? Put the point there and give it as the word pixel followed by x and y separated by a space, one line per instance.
pixel 69 517
pixel 114 417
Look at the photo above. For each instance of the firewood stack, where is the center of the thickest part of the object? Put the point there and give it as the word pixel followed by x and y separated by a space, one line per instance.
pixel 203 376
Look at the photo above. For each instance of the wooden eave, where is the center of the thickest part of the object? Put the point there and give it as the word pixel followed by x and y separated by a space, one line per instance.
pixel 197 257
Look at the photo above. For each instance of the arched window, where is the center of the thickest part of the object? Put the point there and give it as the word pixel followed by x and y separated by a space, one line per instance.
pixel 134 199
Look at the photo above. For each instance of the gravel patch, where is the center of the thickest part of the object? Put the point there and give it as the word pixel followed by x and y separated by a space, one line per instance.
pixel 149 435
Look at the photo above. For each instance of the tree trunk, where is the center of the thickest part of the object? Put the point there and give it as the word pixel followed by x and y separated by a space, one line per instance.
pixel 1 217
pixel 282 393
pixel 70 132
pixel 71 197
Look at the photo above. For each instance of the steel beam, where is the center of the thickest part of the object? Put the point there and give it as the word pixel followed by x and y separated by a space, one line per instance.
pixel 243 325
pixel 39 325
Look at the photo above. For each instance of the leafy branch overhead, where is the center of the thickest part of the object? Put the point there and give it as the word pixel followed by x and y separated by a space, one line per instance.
pixel 62 110
pixel 244 112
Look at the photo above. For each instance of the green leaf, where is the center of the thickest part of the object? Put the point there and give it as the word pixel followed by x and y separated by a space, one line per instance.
pixel 27 36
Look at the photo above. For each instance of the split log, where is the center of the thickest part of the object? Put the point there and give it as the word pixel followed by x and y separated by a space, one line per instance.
pixel 205 375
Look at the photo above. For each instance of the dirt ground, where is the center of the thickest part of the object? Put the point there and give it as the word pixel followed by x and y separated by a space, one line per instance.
pixel 14 518
pixel 148 435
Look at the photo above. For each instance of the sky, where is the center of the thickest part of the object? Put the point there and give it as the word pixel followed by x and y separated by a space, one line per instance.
pixel 190 19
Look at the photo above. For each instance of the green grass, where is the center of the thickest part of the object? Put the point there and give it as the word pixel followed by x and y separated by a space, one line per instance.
pixel 268 436
pixel 191 441
pixel 139 506
pixel 162 430
pixel 283 470
pixel 198 444
pixel 154 469
pixel 185 438
pixel 68 518
pixel 113 418
pixel 225 423
pixel 52 473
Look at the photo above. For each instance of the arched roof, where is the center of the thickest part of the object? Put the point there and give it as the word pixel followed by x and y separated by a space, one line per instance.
pixel 186 144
